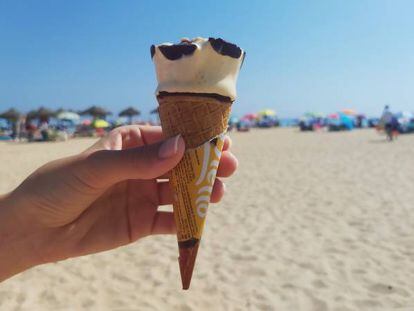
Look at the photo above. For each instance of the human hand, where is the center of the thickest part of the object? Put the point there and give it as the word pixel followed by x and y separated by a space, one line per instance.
pixel 103 198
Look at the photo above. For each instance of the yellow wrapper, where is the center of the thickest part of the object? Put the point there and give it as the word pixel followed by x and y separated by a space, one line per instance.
pixel 192 180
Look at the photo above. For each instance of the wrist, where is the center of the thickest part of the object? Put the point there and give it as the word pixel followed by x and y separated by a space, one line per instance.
pixel 15 254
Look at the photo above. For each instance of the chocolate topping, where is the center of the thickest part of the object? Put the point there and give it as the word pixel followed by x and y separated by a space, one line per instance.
pixel 211 95
pixel 225 48
pixel 176 51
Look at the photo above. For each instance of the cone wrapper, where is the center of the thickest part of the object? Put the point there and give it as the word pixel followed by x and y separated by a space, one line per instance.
pixel 192 181
pixel 202 121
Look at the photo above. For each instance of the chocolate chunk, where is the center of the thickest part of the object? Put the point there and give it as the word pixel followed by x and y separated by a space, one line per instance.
pixel 225 48
pixel 152 51
pixel 176 51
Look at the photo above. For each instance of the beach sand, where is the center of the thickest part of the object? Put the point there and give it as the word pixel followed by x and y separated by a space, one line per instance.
pixel 311 221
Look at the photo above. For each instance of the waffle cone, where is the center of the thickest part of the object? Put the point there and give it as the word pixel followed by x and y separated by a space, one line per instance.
pixel 198 118
pixel 201 120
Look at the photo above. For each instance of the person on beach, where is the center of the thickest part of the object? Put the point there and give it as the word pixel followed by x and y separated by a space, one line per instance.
pixel 389 122
pixel 386 117
pixel 102 198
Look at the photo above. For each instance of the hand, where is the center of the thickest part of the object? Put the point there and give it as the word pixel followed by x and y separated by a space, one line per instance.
pixel 103 198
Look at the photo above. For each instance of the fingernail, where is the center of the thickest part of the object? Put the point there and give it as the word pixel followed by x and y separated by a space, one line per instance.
pixel 169 148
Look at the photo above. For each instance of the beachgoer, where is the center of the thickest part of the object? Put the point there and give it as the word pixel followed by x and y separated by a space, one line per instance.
pixel 386 117
pixel 44 130
pixel 103 198
pixel 388 121
pixel 30 129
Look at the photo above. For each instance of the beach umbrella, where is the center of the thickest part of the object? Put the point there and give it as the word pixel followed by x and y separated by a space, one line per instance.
pixel 333 116
pixel 129 112
pixel 68 115
pixel 96 112
pixel 86 122
pixel 11 115
pixel 100 123
pixel 250 116
pixel 154 111
pixel 31 115
pixel 349 112
pixel 43 114
pixel 267 113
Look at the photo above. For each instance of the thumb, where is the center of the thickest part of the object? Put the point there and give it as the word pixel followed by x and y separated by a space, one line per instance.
pixel 106 167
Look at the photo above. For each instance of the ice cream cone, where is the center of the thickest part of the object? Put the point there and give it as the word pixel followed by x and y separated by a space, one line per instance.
pixel 202 122
pixel 196 88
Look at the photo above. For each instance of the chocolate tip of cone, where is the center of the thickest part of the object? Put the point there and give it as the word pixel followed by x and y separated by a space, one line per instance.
pixel 188 254
pixel 186 279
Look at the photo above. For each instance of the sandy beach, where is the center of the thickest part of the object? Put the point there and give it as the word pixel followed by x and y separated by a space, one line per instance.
pixel 311 221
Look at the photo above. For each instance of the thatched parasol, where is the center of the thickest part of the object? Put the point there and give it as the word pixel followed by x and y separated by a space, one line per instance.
pixel 96 112
pixel 11 115
pixel 129 112
pixel 43 114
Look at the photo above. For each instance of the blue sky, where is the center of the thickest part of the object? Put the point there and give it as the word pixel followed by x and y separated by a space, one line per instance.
pixel 301 55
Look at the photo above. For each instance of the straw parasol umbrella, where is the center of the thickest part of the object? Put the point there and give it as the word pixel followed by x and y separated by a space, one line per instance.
pixel 96 112
pixel 43 114
pixel 11 115
pixel 31 115
pixel 129 112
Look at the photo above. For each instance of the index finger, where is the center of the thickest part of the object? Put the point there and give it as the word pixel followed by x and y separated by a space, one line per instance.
pixel 148 135
pixel 126 137
pixel 143 135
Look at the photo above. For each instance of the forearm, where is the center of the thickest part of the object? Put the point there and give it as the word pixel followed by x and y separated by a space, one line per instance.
pixel 14 251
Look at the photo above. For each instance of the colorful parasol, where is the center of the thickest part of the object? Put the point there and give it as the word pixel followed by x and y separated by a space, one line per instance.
pixel 267 113
pixel 100 123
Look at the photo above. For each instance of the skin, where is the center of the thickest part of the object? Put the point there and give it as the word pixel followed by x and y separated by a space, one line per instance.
pixel 103 198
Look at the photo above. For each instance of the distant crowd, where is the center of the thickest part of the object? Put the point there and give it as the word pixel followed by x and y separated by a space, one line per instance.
pixel 46 125
pixel 347 119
